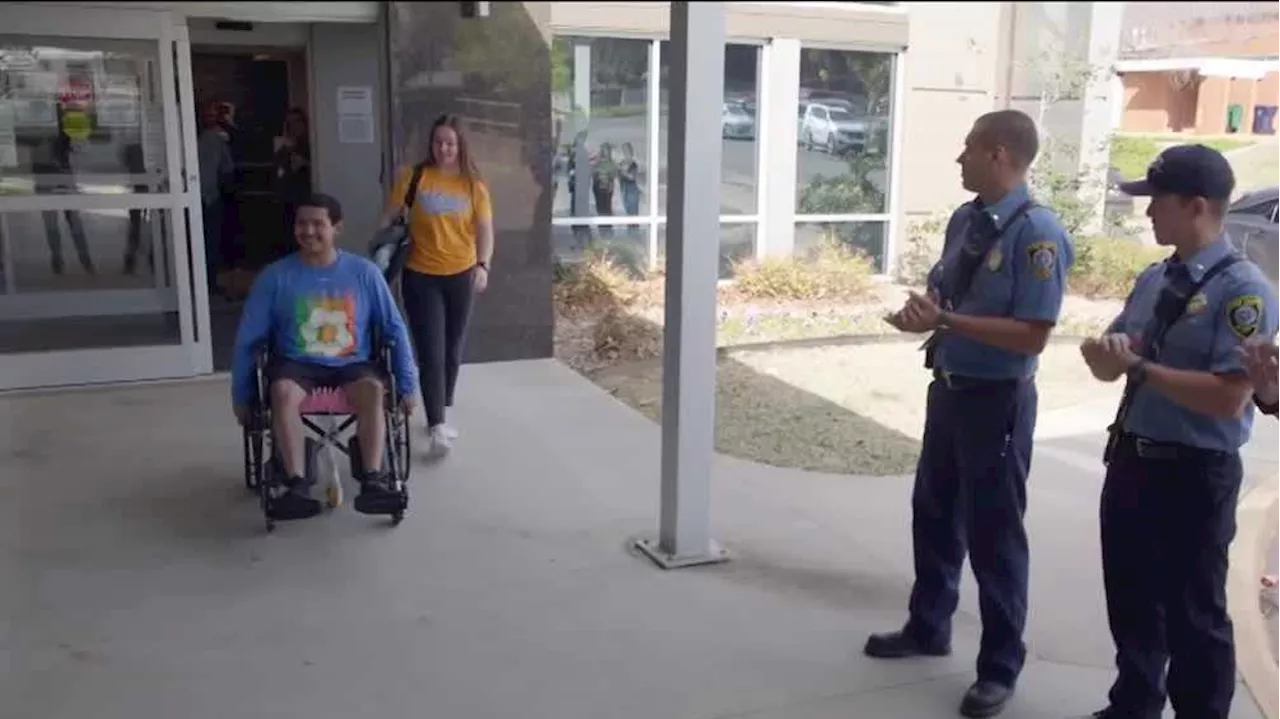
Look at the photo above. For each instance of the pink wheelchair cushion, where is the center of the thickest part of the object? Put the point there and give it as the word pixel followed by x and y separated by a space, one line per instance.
pixel 327 400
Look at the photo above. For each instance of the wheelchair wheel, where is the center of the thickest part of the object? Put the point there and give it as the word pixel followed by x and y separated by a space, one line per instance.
pixel 399 446
pixel 266 480
pixel 253 460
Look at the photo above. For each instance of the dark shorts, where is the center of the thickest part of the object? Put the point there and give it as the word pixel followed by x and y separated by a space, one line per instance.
pixel 309 376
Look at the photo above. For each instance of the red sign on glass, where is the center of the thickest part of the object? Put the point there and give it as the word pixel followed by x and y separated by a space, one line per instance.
pixel 76 93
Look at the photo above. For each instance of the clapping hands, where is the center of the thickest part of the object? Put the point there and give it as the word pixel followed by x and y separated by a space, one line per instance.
pixel 1260 362
pixel 920 313
pixel 1109 356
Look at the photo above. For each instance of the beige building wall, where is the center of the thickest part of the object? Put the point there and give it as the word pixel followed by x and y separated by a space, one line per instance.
pixel 750 20
pixel 951 79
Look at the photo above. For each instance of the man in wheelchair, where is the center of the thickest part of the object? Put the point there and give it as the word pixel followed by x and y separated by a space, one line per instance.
pixel 318 312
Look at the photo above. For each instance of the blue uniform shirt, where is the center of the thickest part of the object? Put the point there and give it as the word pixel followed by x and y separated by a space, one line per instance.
pixel 1237 304
pixel 1023 276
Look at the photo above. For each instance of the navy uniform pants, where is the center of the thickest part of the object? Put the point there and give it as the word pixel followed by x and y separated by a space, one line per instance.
pixel 970 494
pixel 1168 516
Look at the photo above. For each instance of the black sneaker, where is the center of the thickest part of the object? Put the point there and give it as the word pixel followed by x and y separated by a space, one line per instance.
pixel 295 502
pixel 900 645
pixel 378 497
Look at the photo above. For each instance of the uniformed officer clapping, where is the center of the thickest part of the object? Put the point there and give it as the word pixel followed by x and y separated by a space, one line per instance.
pixel 1260 361
pixel 1173 462
pixel 992 301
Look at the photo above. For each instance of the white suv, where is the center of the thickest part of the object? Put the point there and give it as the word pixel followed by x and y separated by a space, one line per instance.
pixel 832 127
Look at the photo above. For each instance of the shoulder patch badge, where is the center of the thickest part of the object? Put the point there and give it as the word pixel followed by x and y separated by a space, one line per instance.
pixel 1043 257
pixel 1244 314
pixel 1197 303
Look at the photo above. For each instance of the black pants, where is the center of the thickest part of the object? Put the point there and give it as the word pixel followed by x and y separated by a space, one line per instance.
pixel 437 308
pixel 971 494
pixel 1167 522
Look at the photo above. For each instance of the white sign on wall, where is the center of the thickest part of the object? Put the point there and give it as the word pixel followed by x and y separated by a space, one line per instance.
pixel 355 115
pixel 118 99
pixel 35 99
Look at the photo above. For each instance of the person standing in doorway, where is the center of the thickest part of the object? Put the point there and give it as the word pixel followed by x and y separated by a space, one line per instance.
pixel 292 168
pixel 992 302
pixel 451 245
pixel 217 170
pixel 1168 505
pixel 55 175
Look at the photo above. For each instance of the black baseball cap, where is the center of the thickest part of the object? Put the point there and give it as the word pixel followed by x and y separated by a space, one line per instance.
pixel 1186 170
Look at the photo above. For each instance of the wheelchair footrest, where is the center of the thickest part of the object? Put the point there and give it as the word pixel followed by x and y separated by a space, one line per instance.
pixel 290 506
pixel 381 501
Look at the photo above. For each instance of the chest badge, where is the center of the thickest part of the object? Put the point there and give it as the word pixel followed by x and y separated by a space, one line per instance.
pixel 1197 304
pixel 994 258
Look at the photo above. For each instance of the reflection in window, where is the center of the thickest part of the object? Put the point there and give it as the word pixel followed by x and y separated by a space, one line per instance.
pixel 600 101
pixel 738 122
pixel 843 117
pixel 865 237
pixel 737 244
pixel 80 117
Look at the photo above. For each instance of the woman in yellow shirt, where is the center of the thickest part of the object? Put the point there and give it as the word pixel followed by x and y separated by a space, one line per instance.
pixel 451 231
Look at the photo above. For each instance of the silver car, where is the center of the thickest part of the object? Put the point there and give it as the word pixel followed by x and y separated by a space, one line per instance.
pixel 737 121
pixel 1251 228
pixel 832 127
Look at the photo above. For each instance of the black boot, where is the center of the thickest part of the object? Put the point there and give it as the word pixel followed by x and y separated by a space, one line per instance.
pixel 378 496
pixel 901 645
pixel 295 502
pixel 985 699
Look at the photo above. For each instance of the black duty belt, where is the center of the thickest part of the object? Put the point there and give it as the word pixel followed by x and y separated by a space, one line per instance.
pixel 1167 451
pixel 961 382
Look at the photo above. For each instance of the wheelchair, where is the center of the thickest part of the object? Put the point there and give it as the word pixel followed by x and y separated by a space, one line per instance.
pixel 261 465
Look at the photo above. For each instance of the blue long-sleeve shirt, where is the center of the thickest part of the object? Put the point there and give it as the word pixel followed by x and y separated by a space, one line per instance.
pixel 323 316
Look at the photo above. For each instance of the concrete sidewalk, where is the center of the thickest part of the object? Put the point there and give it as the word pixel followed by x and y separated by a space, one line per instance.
pixel 146 588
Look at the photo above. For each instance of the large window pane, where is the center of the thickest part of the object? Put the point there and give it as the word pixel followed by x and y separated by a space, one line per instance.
pixel 737 243
pixel 626 245
pixel 85 279
pixel 866 237
pixel 842 161
pixel 599 95
pixel 80 117
pixel 739 116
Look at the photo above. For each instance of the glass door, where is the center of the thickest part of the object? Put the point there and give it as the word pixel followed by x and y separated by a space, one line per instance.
pixel 97 205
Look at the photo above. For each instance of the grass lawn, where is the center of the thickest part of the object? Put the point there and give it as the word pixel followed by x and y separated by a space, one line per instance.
pixel 843 409
pixel 1131 154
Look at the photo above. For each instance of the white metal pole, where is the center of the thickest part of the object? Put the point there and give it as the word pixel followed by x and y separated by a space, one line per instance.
pixel 693 226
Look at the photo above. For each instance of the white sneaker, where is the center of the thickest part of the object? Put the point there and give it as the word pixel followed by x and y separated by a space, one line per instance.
pixel 441 441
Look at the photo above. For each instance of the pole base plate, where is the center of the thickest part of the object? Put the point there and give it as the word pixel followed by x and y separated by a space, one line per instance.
pixel 650 548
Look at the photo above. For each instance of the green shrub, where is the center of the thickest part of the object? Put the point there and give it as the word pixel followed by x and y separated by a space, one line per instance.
pixel 1132 154
pixel 594 284
pixel 832 271
pixel 922 249
pixel 1106 267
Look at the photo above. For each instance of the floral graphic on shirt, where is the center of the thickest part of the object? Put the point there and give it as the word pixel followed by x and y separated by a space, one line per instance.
pixel 326 325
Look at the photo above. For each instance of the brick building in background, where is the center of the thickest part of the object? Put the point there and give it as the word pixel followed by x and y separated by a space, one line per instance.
pixel 1201 68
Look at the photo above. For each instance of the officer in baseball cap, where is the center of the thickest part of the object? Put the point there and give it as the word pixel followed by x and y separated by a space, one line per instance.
pixel 1173 462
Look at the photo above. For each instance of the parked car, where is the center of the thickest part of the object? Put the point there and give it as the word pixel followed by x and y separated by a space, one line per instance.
pixel 831 127
pixel 1117 202
pixel 737 121
pixel 1252 230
